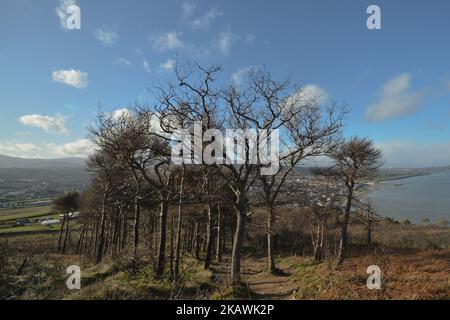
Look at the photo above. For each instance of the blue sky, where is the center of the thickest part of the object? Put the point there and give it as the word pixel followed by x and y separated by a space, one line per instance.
pixel 395 80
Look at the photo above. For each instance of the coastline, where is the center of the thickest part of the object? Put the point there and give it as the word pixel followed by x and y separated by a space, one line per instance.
pixel 368 190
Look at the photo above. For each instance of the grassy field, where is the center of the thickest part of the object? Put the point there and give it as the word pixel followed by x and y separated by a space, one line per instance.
pixel 29 228
pixel 415 264
pixel 7 215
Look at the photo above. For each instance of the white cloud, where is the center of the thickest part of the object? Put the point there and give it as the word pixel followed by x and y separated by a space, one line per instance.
pixel 169 65
pixel 188 9
pixel 403 154
pixel 237 78
pixel 18 149
pixel 309 94
pixel 146 65
pixel 79 148
pixel 24 133
pixel 46 123
pixel 119 113
pixel 74 78
pixel 312 92
pixel 122 62
pixel 106 36
pixel 166 41
pixel 61 11
pixel 204 22
pixel 224 42
pixel 395 100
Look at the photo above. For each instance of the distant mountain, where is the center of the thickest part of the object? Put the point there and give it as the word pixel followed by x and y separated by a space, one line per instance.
pixel 7 162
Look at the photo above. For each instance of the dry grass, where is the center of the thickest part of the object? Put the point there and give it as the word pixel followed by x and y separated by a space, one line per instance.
pixel 406 274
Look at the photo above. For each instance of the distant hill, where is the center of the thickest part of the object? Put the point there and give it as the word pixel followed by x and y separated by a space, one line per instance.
pixel 7 162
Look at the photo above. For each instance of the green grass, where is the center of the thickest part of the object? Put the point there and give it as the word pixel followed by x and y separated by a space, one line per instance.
pixel 25 213
pixel 32 228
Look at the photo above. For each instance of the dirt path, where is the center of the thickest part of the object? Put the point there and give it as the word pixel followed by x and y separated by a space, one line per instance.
pixel 264 286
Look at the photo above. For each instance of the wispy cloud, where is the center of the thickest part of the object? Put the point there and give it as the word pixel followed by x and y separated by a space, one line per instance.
pixel 166 41
pixel 46 123
pixel 106 36
pixel 120 114
pixel 395 100
pixel 187 9
pixel 146 65
pixel 204 22
pixel 78 148
pixel 71 77
pixel 398 153
pixel 237 78
pixel 19 149
pixel 314 93
pixel 169 65
pixel 61 11
pixel 224 42
pixel 122 62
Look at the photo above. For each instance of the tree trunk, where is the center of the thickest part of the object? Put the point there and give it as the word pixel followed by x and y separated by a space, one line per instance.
pixel 124 230
pixel 196 241
pixel 343 236
pixel 172 249
pixel 137 213
pixel 66 235
pixel 80 240
pixel 219 234
pixel 270 254
pixel 94 248
pixel 179 220
pixel 101 237
pixel 239 235
pixel 162 238
pixel 209 237
pixel 88 247
pixel 178 243
pixel 61 231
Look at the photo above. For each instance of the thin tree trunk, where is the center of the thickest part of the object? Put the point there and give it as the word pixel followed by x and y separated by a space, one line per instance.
pixel 179 220
pixel 172 249
pixel 88 246
pixel 66 236
pixel 270 254
pixel 94 248
pixel 209 237
pixel 196 241
pixel 237 242
pixel 162 238
pixel 124 230
pixel 101 237
pixel 137 213
pixel 219 234
pixel 80 240
pixel 61 231
pixel 343 236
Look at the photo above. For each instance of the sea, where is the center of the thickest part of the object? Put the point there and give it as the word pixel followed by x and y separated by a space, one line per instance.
pixel 416 198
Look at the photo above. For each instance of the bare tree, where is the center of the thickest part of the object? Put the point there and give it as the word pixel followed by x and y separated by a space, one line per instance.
pixel 106 170
pixel 368 217
pixel 321 208
pixel 66 204
pixel 308 129
pixel 354 159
